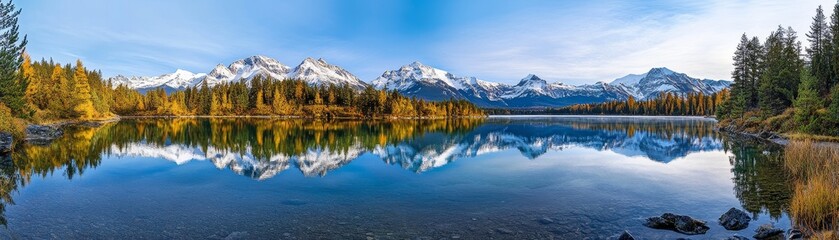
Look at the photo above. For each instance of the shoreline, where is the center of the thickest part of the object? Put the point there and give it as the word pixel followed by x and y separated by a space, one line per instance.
pixel 782 139
pixel 303 117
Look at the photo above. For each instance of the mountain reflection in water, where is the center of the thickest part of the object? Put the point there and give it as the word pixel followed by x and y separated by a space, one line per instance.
pixel 263 148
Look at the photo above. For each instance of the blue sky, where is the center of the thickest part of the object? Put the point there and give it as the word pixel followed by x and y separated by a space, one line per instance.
pixel 570 41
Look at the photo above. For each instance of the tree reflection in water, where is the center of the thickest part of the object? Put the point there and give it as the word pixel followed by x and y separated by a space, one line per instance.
pixel 262 148
pixel 760 181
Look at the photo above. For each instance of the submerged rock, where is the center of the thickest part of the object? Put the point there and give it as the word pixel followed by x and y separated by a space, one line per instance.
pixel 735 219
pixel 737 237
pixel 679 223
pixel 6 143
pixel 767 231
pixel 40 135
pixel 546 220
pixel 626 236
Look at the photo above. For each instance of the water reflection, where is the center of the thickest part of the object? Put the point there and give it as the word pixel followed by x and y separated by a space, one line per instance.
pixel 761 183
pixel 263 148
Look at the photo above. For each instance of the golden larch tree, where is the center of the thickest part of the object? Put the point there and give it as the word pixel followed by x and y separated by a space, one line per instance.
pixel 28 73
pixel 84 106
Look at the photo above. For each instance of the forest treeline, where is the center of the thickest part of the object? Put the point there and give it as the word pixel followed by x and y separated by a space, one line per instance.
pixel 269 97
pixel 777 88
pixel 45 91
pixel 56 91
pixel 669 104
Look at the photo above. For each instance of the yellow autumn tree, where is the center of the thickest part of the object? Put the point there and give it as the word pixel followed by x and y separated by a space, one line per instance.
pixel 84 106
pixel 33 88
pixel 60 90
pixel 261 108
pixel 280 104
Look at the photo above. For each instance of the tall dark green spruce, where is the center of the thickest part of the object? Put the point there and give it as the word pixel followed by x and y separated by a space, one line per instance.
pixel 748 70
pixel 12 86
pixel 739 88
pixel 832 119
pixel 819 52
pixel 808 103
pixel 779 83
pixel 834 46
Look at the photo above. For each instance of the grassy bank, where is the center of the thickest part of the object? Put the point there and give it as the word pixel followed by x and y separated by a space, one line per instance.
pixel 814 168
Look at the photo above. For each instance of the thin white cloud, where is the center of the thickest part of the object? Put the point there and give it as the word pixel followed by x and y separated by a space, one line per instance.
pixel 604 43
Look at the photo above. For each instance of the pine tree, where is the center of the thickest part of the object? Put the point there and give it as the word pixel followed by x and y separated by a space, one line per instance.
pixel 83 104
pixel 819 52
pixel 12 86
pixel 833 112
pixel 755 61
pixel 808 103
pixel 834 46
pixel 779 84
pixel 741 87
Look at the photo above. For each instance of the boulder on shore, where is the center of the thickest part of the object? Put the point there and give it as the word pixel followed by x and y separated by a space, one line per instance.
pixel 679 223
pixel 39 135
pixel 768 231
pixel 735 219
pixel 6 143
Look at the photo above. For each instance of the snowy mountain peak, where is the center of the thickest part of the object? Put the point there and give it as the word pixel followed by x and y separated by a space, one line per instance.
pixel 532 79
pixel 259 65
pixel 315 72
pixel 416 64
pixel 660 71
pixel 183 72
pixel 663 80
pixel 319 72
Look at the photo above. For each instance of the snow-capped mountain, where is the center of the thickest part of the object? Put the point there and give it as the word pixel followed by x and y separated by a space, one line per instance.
pixel 319 72
pixel 177 80
pixel 434 84
pixel 315 72
pixel 663 80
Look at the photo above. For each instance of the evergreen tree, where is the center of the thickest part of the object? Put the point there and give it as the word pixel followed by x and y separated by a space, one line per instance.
pixel 779 83
pixel 819 52
pixel 833 112
pixel 755 61
pixel 12 86
pixel 741 87
pixel 834 46
pixel 808 103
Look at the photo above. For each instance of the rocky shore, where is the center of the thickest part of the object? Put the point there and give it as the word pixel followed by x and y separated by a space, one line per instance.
pixel 43 134
pixel 732 220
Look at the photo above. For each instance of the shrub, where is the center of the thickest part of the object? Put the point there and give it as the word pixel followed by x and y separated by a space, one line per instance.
pixel 10 124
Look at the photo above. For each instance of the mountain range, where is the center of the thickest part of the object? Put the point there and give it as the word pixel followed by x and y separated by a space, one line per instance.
pixel 429 83
pixel 313 71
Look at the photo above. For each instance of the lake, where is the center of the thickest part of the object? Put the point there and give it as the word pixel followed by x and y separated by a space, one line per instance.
pixel 519 177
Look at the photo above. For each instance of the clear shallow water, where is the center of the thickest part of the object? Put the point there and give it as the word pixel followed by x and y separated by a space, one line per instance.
pixel 480 179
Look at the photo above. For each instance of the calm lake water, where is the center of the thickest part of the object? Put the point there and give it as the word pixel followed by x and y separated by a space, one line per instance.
pixel 497 178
